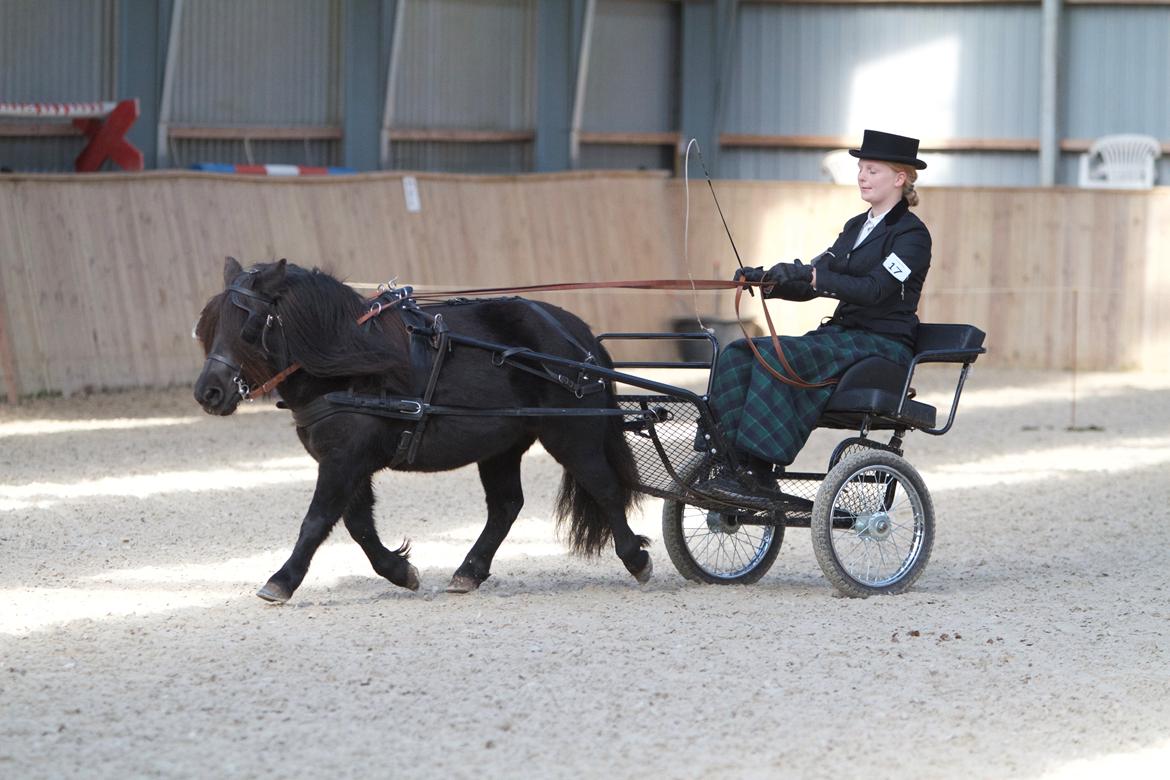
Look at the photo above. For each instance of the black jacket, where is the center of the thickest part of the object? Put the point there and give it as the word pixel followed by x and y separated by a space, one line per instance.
pixel 871 295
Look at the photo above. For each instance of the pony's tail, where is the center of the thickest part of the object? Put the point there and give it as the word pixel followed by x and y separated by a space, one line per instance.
pixel 589 527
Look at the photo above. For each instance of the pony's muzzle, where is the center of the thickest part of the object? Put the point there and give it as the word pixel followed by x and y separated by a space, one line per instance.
pixel 216 394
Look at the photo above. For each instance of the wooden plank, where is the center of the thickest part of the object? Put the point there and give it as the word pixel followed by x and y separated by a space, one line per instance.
pixel 911 2
pixel 23 129
pixel 455 135
pixel 1081 145
pixel 631 139
pixel 256 133
pixel 103 275
pixel 850 142
pixel 1117 2
pixel 7 361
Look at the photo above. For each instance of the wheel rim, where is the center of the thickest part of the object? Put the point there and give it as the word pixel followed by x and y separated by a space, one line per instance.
pixel 879 526
pixel 720 545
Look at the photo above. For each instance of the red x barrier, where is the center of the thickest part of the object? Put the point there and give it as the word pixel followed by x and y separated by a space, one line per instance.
pixel 104 124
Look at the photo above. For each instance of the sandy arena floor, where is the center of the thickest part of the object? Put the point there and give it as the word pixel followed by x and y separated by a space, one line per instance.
pixel 134 531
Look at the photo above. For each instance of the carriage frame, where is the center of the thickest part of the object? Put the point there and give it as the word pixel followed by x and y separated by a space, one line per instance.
pixel 870 513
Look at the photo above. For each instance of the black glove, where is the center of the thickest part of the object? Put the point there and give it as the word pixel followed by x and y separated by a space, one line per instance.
pixel 749 274
pixel 787 273
pixel 790 281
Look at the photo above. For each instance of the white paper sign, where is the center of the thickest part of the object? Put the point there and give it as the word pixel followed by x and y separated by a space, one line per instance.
pixel 896 267
pixel 410 192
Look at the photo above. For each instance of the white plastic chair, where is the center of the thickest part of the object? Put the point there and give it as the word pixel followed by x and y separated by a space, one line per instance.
pixel 1120 162
pixel 840 166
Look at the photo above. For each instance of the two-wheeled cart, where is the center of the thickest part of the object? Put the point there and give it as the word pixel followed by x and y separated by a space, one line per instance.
pixel 870 513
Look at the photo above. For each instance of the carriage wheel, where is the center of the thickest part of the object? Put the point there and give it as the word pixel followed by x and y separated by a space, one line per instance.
pixel 872 525
pixel 716 547
pixel 709 546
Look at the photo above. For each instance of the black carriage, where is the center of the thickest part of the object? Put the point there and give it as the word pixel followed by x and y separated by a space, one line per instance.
pixel 870 513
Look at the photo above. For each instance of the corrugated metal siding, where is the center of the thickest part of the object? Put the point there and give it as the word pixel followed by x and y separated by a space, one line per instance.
pixel 955 72
pixel 56 50
pixel 461 157
pixel 263 62
pixel 466 65
pixel 53 51
pixel 1117 63
pixel 633 68
pixel 53 154
pixel 627 157
pixel 185 152
pixel 983 169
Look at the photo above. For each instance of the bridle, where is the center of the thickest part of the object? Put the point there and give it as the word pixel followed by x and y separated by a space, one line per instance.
pixel 389 297
pixel 237 288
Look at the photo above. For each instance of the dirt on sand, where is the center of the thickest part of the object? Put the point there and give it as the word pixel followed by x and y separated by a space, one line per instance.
pixel 134 531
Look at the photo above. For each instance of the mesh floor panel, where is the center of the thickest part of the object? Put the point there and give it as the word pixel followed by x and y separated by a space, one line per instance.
pixel 669 465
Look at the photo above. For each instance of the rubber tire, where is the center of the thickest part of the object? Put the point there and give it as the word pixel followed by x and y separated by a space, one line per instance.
pixel 674 539
pixel 822 531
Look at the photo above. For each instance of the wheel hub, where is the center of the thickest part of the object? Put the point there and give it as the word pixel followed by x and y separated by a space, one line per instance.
pixel 718 522
pixel 877 526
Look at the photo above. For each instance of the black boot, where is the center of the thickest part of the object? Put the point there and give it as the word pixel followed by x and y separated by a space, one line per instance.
pixel 759 469
pixel 753 478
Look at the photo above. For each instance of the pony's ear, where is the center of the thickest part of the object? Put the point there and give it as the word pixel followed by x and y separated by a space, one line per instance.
pixel 272 277
pixel 231 269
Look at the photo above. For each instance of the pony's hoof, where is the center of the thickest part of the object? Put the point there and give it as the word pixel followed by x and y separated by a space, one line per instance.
pixel 412 580
pixel 273 593
pixel 461 583
pixel 647 571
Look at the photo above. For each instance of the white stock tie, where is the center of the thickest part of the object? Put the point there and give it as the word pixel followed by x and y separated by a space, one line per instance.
pixel 870 222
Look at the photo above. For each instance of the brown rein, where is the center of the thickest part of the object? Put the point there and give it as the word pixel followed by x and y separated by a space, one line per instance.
pixel 793 379
pixel 637 284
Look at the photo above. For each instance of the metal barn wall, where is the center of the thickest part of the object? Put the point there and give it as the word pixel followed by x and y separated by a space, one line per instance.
pixel 1116 76
pixel 633 82
pixel 964 70
pixel 268 63
pixel 465 64
pixel 53 51
pixel 921 70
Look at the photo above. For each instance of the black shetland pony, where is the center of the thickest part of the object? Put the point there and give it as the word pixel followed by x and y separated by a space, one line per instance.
pixel 276 314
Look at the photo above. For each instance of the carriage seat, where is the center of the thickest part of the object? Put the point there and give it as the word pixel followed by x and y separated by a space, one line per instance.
pixel 876 392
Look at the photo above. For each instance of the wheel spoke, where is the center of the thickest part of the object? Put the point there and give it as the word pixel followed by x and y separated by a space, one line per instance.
pixel 724 553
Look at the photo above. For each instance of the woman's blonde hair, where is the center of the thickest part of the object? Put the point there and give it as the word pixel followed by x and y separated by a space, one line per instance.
pixel 908 191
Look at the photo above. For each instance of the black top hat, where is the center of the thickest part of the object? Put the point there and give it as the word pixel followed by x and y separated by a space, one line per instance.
pixel 876 145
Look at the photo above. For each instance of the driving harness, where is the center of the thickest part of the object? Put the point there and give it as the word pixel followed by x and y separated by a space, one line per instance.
pixel 431 341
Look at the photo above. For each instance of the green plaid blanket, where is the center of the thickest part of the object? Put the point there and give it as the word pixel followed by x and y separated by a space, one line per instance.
pixel 761 415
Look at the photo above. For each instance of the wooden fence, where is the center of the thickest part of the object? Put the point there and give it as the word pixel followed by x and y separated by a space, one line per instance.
pixel 101 276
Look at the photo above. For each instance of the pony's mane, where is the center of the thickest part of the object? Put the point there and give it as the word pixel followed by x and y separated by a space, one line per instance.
pixel 319 314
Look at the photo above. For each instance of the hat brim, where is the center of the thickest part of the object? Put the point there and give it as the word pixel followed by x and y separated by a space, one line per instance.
pixel 911 161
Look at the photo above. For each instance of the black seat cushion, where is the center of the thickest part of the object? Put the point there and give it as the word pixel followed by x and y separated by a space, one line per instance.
pixel 873 386
pixel 949 342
